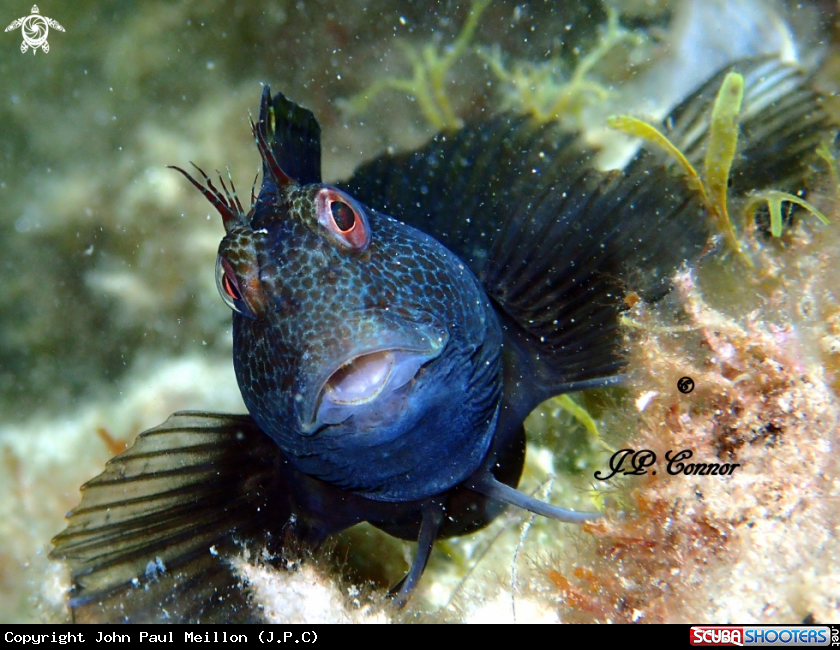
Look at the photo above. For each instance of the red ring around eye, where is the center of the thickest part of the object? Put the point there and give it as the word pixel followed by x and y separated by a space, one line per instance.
pixel 230 288
pixel 229 284
pixel 343 218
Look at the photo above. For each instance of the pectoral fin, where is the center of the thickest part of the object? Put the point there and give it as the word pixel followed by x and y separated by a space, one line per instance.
pixel 152 537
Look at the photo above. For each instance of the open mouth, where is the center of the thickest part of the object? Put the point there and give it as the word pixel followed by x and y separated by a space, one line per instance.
pixel 364 384
pixel 361 375
pixel 361 379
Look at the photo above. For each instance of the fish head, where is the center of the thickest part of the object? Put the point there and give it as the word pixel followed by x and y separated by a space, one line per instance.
pixel 362 346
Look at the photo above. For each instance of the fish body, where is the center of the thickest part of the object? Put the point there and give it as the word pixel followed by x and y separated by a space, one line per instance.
pixel 353 355
pixel 392 333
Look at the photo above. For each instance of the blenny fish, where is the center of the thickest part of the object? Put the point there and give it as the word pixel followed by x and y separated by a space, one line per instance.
pixel 392 333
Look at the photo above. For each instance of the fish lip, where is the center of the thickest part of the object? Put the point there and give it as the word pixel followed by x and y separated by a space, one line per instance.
pixel 421 335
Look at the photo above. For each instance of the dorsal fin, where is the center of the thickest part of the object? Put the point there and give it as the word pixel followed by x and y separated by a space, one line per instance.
pixel 557 243
pixel 552 239
pixel 294 137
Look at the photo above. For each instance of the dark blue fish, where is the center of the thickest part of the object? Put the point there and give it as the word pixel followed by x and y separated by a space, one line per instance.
pixel 388 362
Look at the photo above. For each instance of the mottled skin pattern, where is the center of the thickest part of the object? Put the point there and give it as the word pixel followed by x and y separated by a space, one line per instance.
pixel 311 305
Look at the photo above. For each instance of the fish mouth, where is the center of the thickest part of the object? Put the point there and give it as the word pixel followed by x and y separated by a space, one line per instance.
pixel 363 377
pixel 366 379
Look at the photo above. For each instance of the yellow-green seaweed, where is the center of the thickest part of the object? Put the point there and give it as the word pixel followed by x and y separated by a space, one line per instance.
pixel 641 129
pixel 723 142
pixel 579 413
pixel 824 152
pixel 774 200
pixel 428 81
pixel 542 91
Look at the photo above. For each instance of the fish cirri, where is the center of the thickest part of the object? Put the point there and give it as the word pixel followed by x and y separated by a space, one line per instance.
pixel 392 333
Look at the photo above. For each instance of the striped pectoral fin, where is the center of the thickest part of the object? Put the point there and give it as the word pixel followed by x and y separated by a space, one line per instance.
pixel 153 536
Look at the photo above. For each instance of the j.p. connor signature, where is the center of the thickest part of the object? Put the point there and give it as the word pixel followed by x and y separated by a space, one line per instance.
pixel 630 462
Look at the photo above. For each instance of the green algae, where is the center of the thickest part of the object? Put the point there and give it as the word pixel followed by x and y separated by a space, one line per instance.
pixel 579 413
pixel 720 153
pixel 545 91
pixel 641 129
pixel 774 200
pixel 723 142
pixel 428 84
pixel 824 152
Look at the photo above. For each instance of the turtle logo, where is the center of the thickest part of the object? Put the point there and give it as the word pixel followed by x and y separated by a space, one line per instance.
pixel 35 28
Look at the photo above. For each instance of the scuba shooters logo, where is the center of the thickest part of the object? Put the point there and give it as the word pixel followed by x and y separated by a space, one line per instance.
pixel 34 28
pixel 763 635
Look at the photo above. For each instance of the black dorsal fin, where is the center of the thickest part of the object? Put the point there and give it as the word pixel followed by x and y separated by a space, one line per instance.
pixel 561 278
pixel 460 187
pixel 556 243
pixel 294 136
pixel 552 239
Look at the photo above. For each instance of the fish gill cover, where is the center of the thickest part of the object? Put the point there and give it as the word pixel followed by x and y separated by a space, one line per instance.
pixel 101 237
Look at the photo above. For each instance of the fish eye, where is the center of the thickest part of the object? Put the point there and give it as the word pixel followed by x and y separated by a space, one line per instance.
pixel 343 216
pixel 343 219
pixel 228 287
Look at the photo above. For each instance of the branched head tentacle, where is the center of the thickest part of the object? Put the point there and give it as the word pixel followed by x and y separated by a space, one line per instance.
pixel 232 193
pixel 253 192
pixel 226 204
